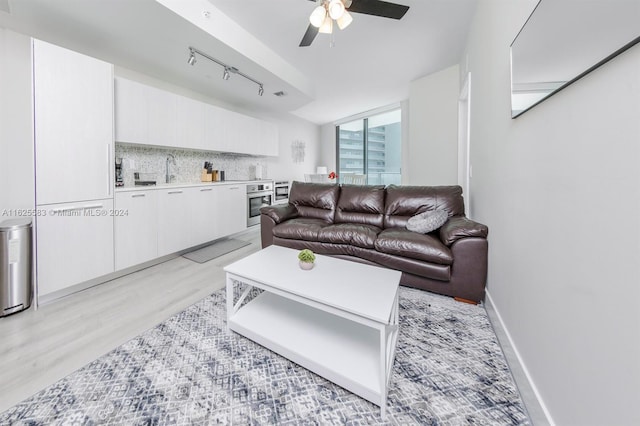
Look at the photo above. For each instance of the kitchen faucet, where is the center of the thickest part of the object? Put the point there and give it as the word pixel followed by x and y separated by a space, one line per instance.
pixel 172 159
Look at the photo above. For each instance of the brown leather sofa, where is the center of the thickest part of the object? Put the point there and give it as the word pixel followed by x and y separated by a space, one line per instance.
pixel 368 224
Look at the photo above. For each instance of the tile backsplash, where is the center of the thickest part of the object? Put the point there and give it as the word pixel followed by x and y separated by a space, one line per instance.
pixel 189 163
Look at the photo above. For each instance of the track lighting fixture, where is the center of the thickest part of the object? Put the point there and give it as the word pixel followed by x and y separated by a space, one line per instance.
pixel 228 69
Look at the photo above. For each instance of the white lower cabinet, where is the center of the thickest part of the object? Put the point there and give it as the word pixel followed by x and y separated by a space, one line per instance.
pixel 232 213
pixel 136 228
pixel 174 220
pixel 205 223
pixel 158 222
pixel 74 244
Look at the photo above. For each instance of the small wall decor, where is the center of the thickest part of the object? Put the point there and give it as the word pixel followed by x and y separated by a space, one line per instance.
pixel 297 151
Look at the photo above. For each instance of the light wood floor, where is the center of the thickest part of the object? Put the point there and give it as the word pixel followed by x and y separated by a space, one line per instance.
pixel 38 348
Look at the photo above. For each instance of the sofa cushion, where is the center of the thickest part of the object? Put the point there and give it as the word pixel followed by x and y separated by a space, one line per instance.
pixel 402 202
pixel 361 204
pixel 355 234
pixel 402 242
pixel 414 267
pixel 427 221
pixel 301 228
pixel 314 200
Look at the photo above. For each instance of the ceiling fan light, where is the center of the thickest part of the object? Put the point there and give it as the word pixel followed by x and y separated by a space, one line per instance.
pixel 344 20
pixel 336 9
pixel 318 16
pixel 327 26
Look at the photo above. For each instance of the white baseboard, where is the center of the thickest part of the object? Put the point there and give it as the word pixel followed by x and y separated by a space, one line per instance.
pixel 534 403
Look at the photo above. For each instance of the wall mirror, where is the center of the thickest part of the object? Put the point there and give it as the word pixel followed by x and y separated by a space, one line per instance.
pixel 563 40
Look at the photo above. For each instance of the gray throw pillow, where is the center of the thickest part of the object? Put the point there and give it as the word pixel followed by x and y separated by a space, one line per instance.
pixel 428 221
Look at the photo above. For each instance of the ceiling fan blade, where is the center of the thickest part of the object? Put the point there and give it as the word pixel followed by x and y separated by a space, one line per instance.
pixel 378 8
pixel 309 36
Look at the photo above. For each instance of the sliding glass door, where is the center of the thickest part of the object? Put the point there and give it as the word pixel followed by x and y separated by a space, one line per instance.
pixel 369 149
pixel 351 149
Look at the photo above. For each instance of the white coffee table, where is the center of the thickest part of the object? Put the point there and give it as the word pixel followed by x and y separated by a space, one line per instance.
pixel 339 320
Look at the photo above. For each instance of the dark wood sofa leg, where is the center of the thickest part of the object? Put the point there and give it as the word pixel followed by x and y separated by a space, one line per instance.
pixel 460 299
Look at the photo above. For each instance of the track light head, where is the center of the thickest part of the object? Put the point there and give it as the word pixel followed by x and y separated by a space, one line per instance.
pixel 261 90
pixel 192 58
pixel 226 75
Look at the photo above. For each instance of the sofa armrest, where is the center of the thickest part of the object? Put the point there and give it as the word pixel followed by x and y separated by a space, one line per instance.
pixel 459 227
pixel 280 213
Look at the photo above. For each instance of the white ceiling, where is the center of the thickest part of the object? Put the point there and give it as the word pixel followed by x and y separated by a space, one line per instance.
pixel 370 65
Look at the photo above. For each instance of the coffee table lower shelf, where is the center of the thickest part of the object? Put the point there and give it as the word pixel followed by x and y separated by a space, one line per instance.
pixel 343 351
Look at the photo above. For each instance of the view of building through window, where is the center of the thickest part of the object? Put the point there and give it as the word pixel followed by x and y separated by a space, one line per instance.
pixel 369 149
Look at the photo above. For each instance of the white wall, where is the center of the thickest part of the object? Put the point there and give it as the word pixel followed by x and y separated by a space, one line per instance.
pixel 559 188
pixel 16 134
pixel 292 129
pixel 433 129
pixel 328 147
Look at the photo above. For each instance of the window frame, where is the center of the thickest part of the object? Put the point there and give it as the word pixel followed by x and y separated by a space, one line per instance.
pixel 365 122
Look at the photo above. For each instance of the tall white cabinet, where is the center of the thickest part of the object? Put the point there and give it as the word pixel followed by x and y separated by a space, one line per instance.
pixel 73 131
pixel 73 113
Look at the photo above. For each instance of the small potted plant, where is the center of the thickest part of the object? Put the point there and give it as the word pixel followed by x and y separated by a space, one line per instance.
pixel 306 259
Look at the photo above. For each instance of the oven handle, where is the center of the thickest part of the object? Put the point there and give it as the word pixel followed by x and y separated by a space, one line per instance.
pixel 259 194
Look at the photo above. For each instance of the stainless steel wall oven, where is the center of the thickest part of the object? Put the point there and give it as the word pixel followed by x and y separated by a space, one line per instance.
pixel 258 195
pixel 281 192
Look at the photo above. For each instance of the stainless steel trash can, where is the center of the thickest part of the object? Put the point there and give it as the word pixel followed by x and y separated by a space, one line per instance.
pixel 16 278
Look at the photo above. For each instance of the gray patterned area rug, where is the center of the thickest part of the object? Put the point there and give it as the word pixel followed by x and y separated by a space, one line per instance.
pixel 449 370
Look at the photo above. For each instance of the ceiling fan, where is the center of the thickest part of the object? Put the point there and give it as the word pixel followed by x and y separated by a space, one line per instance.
pixel 322 17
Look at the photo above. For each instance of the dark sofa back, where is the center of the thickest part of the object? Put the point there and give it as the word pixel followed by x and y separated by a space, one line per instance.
pixel 315 200
pixel 361 204
pixel 402 202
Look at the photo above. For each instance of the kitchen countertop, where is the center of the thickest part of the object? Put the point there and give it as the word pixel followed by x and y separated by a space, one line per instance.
pixel 187 185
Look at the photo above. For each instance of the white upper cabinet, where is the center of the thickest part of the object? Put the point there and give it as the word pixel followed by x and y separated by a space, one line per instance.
pixel 190 123
pixel 162 125
pixel 73 115
pixel 270 139
pixel 131 112
pixel 236 133
pixel 146 115
pixel 215 128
